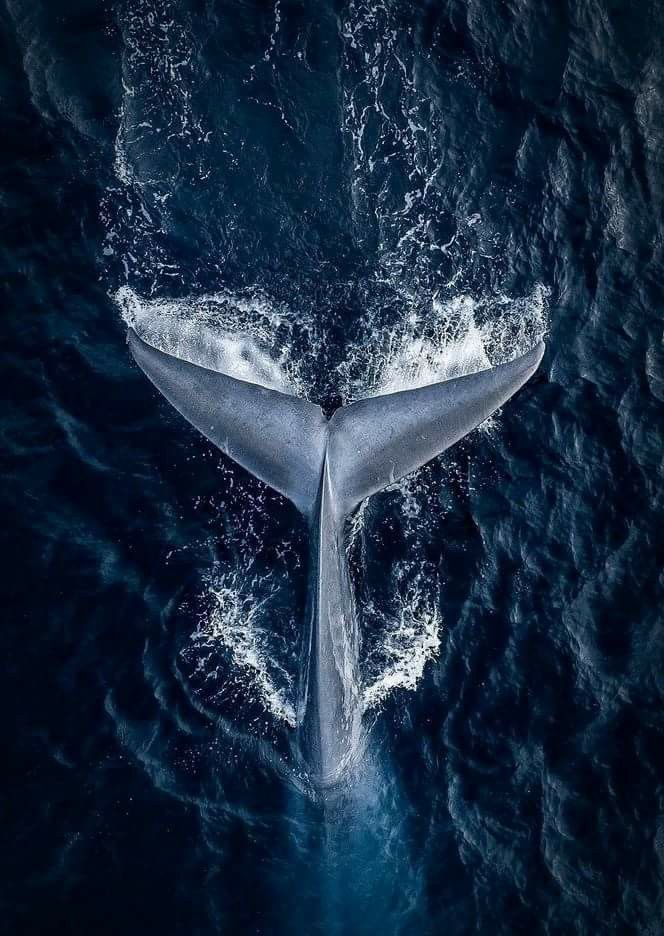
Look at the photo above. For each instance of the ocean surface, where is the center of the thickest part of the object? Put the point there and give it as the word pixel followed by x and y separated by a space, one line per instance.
pixel 337 199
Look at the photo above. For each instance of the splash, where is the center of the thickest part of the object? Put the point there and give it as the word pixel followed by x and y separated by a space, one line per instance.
pixel 409 639
pixel 238 627
pixel 239 334
pixel 442 339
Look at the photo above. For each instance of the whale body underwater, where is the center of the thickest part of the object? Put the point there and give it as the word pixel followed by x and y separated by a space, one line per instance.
pixel 327 467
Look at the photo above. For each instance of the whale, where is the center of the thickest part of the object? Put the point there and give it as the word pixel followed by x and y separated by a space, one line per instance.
pixel 327 466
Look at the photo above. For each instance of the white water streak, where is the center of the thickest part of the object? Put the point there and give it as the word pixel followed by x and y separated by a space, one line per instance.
pixel 409 639
pixel 238 622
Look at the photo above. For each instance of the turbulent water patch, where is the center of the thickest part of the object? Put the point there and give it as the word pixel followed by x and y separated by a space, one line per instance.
pixel 435 340
pixel 243 334
pixel 409 638
pixel 233 653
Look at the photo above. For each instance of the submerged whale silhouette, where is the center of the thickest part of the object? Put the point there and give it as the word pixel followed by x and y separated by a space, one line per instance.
pixel 327 467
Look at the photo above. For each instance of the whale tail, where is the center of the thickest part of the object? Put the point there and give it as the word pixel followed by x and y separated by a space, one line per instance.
pixel 285 441
pixel 326 468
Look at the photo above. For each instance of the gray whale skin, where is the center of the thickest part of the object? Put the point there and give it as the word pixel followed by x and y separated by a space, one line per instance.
pixel 327 468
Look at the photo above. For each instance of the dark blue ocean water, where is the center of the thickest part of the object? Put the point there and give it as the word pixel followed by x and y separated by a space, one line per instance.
pixel 360 187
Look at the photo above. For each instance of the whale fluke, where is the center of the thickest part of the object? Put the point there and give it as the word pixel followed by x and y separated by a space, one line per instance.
pixel 378 441
pixel 327 468
pixel 278 438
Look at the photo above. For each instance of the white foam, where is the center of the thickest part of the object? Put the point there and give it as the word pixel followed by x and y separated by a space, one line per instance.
pixel 440 340
pixel 239 622
pixel 409 639
pixel 225 332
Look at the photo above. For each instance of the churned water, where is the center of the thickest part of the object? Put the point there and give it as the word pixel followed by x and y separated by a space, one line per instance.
pixel 335 200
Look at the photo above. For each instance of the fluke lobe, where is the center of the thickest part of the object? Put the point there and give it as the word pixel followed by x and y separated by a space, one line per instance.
pixel 327 467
